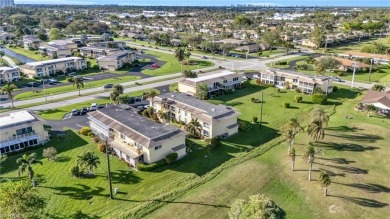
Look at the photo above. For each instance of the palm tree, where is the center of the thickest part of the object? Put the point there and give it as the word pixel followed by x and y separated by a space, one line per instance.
pixel 194 128
pixel 309 157
pixel 79 83
pixel 179 54
pixel 289 134
pixel 89 160
pixel 9 89
pixel 292 156
pixel 151 94
pixel 378 87
pixel 26 162
pixel 290 130
pixel 162 116
pixel 316 130
pixel 325 181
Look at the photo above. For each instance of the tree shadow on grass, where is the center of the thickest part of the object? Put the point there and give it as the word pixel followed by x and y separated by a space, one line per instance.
pixel 76 215
pixel 358 137
pixel 343 128
pixel 363 201
pixel 347 169
pixel 124 177
pixel 345 147
pixel 80 192
pixel 368 187
pixel 337 160
pixel 331 173
pixel 62 159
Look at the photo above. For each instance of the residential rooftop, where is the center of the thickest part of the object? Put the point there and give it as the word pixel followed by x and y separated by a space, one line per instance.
pixel 11 119
pixel 114 56
pixel 317 78
pixel 33 64
pixel 190 103
pixel 137 127
pixel 213 76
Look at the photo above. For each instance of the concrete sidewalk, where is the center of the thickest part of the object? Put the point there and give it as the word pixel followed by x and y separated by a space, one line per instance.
pixel 10 61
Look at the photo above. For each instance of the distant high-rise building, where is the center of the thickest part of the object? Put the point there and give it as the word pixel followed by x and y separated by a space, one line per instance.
pixel 6 3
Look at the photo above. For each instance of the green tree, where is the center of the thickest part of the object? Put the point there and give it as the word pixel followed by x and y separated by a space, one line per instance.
pixel 55 34
pixel 180 55
pixel 1 55
pixel 258 206
pixel 242 20
pixel 290 130
pixel 202 91
pixel 325 181
pixel 226 48
pixel 370 108
pixel 309 157
pixel 317 37
pixel 3 158
pixel 116 92
pixel 50 153
pixel 18 199
pixel 8 89
pixel 89 161
pixel 292 155
pixel 316 130
pixel 194 128
pixel 326 63
pixel 270 39
pixel 25 163
pixel 79 83
pixel 152 94
pixel 378 87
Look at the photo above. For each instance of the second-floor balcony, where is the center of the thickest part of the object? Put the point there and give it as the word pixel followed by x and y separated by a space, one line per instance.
pixel 19 138
pixel 128 147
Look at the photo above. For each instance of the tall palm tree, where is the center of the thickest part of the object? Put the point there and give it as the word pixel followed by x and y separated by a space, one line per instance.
pixel 151 94
pixel 289 134
pixel 194 128
pixel 316 130
pixel 292 156
pixel 319 113
pixel 9 89
pixel 179 54
pixel 26 162
pixel 79 83
pixel 89 160
pixel 290 131
pixel 162 115
pixel 325 181
pixel 309 157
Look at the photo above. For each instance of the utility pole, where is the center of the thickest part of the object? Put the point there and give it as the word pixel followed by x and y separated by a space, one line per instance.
pixel 369 74
pixel 261 108
pixel 354 65
pixel 108 163
pixel 44 89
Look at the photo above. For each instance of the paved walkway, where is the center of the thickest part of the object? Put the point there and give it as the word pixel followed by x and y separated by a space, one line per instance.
pixel 10 61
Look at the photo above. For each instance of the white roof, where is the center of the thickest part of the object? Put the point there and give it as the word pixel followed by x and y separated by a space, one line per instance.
pixel 15 118
pixel 208 77
pixel 54 61
pixel 6 68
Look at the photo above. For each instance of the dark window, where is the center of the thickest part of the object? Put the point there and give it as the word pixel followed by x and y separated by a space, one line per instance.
pixel 2 150
pixel 12 147
pixel 21 145
pixel 31 142
pixel 6 149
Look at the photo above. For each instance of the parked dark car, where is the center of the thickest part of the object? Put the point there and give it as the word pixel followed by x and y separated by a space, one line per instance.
pixel 108 86
pixel 84 110
pixel 75 112
pixel 32 84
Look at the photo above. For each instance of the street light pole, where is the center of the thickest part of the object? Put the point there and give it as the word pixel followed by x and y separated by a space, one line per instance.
pixel 369 74
pixel 261 109
pixel 44 91
pixel 354 65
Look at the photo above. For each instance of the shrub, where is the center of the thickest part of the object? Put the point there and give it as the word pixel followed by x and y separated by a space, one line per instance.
pixel 91 134
pixel 335 89
pixel 170 158
pixel 85 130
pixel 50 153
pixel 70 79
pixel 244 126
pixel 213 142
pixel 254 119
pixel 96 139
pixel 152 166
pixel 341 73
pixel 102 147
pixel 297 90
pixel 181 123
pixel 319 98
pixel 286 105
pixel 75 171
pixel 278 90
pixel 297 99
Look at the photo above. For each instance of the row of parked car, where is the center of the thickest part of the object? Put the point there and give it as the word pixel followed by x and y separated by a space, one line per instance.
pixel 84 109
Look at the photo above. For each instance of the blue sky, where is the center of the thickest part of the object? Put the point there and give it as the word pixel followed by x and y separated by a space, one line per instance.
pixel 381 3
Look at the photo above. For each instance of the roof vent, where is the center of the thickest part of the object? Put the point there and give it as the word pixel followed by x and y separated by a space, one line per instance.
pixel 172 95
pixel 212 109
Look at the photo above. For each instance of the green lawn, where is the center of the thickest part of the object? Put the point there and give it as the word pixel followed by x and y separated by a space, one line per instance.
pixel 206 182
pixel 354 47
pixel 172 65
pixel 274 65
pixel 70 88
pixel 31 54
pixel 354 154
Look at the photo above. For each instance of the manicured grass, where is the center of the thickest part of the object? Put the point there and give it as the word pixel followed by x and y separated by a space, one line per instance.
pixel 355 150
pixel 31 54
pixel 172 65
pixel 70 88
pixel 355 46
pixel 60 112
pixel 274 65
pixel 267 53
pixel 173 87
pixel 206 182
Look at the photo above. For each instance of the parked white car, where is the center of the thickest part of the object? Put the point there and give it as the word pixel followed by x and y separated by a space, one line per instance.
pixel 93 107
pixel 244 78
pixel 256 76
